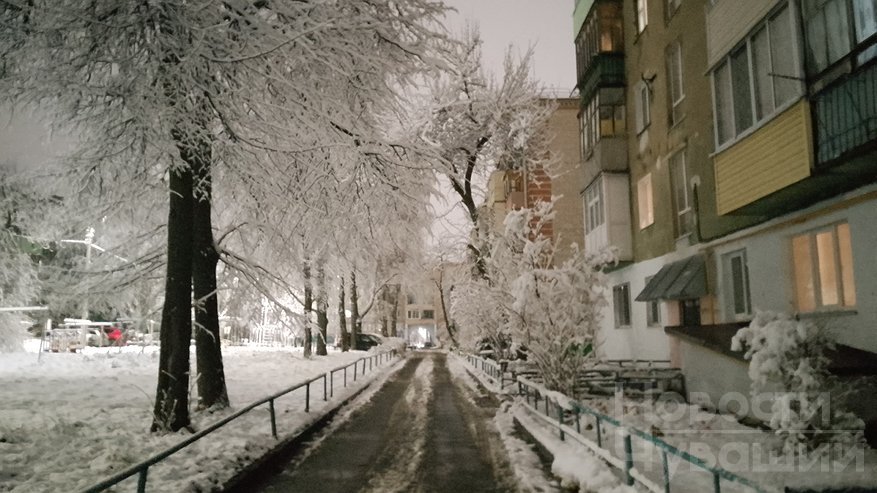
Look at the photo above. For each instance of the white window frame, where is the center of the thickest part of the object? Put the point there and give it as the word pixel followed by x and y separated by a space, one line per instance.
pixel 642 106
pixel 757 122
pixel 621 305
pixel 841 261
pixel 731 293
pixel 642 15
pixel 424 313
pixel 674 64
pixel 594 206
pixel 682 208
pixel 670 8
pixel 645 201
pixel 415 314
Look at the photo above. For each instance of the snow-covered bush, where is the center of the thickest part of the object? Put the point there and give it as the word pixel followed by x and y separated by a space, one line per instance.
pixel 552 309
pixel 791 354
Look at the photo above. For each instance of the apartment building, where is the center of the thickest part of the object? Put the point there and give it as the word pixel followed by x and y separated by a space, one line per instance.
pixel 750 131
pixel 510 190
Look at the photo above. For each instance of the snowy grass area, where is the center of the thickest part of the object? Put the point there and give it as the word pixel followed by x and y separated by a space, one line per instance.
pixel 70 420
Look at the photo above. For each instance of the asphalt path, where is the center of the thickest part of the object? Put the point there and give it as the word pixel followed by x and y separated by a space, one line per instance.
pixel 419 433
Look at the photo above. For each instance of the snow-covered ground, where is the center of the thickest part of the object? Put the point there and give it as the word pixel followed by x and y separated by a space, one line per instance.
pixel 70 420
pixel 718 439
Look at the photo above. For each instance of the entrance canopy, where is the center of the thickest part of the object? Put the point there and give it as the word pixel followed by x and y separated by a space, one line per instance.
pixel 683 279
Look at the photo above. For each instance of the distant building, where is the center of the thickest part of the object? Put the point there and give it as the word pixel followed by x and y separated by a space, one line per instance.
pixel 510 190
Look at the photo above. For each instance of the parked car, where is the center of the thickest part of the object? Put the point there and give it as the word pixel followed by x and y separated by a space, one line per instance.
pixel 364 342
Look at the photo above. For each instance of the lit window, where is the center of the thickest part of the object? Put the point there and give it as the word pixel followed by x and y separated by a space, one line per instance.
pixel 737 284
pixel 674 78
pixel 621 304
pixel 602 116
pixel 642 15
pixel 644 201
pixel 823 266
pixel 681 199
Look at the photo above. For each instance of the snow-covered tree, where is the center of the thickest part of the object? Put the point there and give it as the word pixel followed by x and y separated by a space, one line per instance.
pixel 554 310
pixel 789 354
pixel 476 124
pixel 195 91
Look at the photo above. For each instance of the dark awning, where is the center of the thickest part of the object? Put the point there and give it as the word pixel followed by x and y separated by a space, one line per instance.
pixel 683 279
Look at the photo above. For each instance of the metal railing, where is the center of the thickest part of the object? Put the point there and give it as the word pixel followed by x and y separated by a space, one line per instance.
pixel 141 469
pixel 493 369
pixel 535 393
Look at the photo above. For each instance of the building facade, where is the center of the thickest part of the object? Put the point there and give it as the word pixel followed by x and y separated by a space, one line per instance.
pixel 747 155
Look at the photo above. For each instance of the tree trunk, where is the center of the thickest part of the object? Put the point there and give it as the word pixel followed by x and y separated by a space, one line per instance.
pixel 385 325
pixel 308 308
pixel 212 391
pixel 171 411
pixel 342 318
pixel 322 309
pixel 449 325
pixel 394 315
pixel 354 311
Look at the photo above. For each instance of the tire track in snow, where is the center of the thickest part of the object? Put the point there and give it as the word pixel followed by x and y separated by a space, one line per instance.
pixel 404 460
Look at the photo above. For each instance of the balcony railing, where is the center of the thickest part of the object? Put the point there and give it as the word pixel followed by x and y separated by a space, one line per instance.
pixel 846 115
pixel 606 69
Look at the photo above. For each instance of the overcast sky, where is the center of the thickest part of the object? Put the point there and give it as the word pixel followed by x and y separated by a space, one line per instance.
pixel 544 24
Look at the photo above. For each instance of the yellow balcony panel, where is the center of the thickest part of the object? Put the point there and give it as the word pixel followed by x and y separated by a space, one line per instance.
pixel 776 156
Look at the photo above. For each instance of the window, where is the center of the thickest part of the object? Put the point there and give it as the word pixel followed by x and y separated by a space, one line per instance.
pixel 670 7
pixel 411 300
pixel 827 29
pixel 737 284
pixel 621 303
pixel 594 206
pixel 642 15
pixel 427 314
pixel 681 199
pixel 834 27
pixel 603 116
pixel 742 106
pixel 674 79
pixel 645 205
pixel 758 77
pixel 823 267
pixel 643 100
pixel 653 310
pixel 865 17
pixel 413 313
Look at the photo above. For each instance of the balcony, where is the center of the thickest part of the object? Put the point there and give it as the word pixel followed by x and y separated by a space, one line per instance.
pixel 845 115
pixel 608 154
pixel 614 231
pixel 605 70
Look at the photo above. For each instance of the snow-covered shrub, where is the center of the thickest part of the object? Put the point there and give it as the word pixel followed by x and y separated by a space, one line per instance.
pixel 552 309
pixel 556 307
pixel 791 354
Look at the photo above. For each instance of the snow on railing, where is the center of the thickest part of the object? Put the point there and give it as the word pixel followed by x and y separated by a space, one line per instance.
pixel 559 403
pixel 327 378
